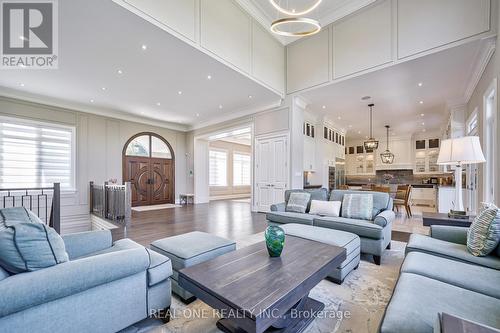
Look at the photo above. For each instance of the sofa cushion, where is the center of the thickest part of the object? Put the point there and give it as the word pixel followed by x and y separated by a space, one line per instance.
pixel 359 227
pixel 26 243
pixel 325 208
pixel 316 194
pixel 414 306
pixel 159 268
pixel 3 274
pixel 289 217
pixel 483 235
pixel 357 206
pixel 298 202
pixel 381 201
pixel 468 276
pixel 426 244
pixel 192 248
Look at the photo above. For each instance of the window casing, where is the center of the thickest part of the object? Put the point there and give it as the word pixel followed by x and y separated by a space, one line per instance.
pixel 36 154
pixel 217 167
pixel 241 169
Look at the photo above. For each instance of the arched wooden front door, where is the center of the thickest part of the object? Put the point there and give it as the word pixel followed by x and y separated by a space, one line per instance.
pixel 148 164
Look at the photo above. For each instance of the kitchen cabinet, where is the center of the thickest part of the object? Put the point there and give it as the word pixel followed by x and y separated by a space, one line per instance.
pixel 309 154
pixel 426 156
pixel 360 164
pixel 423 196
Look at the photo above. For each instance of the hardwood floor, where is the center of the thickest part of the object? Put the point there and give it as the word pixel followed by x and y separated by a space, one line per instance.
pixel 231 219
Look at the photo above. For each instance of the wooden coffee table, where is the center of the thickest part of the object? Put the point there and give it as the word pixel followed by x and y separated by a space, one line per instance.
pixel 256 293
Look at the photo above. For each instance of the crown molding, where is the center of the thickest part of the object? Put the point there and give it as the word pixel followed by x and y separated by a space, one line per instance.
pixel 235 115
pixel 80 107
pixel 482 59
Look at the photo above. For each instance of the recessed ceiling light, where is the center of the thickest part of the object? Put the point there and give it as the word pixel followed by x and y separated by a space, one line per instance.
pixel 179 92
pixel 339 117
pixel 159 104
pixel 350 126
pixel 197 115
pixel 91 101
pixel 421 115
pixel 21 84
pixel 142 112
pixel 423 124
pixel 209 77
pixel 144 47
pixel 103 88
pixel 220 106
pixel 420 84
pixel 250 96
pixel 119 71
pixel 323 107
pixel 421 102
pixel 359 132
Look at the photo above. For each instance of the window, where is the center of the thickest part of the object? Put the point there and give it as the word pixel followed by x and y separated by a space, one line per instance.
pixel 241 169
pixel 489 142
pixel 35 154
pixel 217 168
pixel 148 145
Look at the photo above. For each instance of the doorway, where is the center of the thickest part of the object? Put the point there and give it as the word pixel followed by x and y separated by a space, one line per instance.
pixel 149 165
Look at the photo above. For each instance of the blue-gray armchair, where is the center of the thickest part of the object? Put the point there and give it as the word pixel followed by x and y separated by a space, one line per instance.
pixel 105 287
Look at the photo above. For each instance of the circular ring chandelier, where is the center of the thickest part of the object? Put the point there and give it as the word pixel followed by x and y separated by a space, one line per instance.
pixel 316 27
pixel 293 13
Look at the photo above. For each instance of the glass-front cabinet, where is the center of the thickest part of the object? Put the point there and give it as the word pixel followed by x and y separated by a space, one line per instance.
pixel 426 156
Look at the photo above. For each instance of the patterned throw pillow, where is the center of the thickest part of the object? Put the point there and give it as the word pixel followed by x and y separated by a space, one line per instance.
pixel 483 235
pixel 298 201
pixel 357 206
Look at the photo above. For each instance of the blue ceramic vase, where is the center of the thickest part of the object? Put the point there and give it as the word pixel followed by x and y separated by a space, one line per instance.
pixel 275 240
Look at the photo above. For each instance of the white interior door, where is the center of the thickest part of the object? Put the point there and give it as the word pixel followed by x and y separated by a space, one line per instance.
pixel 271 171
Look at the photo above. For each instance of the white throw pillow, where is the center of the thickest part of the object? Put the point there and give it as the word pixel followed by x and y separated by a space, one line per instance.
pixel 325 208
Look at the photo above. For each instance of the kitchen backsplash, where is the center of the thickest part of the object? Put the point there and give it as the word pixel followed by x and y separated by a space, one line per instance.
pixel 392 177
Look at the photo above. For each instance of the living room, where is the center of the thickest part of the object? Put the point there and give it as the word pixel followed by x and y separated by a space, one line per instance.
pixel 249 166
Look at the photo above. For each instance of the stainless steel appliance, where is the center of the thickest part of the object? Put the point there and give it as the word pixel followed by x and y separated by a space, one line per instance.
pixel 336 175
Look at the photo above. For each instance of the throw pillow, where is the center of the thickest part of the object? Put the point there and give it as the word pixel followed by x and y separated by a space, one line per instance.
pixel 483 235
pixel 325 208
pixel 358 206
pixel 298 201
pixel 26 243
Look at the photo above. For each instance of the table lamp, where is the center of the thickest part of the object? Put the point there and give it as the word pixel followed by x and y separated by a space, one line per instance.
pixel 458 152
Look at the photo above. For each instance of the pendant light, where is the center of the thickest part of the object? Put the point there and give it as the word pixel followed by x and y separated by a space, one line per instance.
pixel 307 26
pixel 371 144
pixel 387 157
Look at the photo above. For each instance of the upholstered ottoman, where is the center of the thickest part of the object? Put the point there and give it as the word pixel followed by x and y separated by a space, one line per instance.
pixel 347 240
pixel 190 249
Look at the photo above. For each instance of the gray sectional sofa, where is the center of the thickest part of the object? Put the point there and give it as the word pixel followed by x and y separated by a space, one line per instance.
pixel 375 235
pixel 104 287
pixel 438 276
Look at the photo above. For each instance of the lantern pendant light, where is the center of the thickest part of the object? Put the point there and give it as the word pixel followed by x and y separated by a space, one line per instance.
pixel 387 157
pixel 371 144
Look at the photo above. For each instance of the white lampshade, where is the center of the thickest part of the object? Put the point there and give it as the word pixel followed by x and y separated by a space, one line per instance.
pixel 464 150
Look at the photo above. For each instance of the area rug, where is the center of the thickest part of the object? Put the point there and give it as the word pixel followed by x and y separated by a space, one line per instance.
pixel 357 306
pixel 153 207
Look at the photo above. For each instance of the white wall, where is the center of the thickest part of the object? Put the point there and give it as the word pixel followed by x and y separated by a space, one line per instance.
pixel 491 72
pixel 99 144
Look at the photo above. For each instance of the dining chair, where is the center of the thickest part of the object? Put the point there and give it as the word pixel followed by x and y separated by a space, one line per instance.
pixel 402 199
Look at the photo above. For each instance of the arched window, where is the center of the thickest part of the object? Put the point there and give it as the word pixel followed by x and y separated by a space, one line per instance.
pixel 148 145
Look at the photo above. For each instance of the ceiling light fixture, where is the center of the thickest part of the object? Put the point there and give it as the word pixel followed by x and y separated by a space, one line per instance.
pixel 315 26
pixel 250 96
pixel 197 115
pixel 421 102
pixel 421 115
pixel 371 143
pixel 21 84
pixel 339 117
pixel 220 107
pixel 91 101
pixel 179 92
pixel 420 84
pixel 119 71
pixel 293 12
pixel 209 77
pixel 144 47
pixel 323 107
pixel 103 88
pixel 387 157
pixel 159 104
